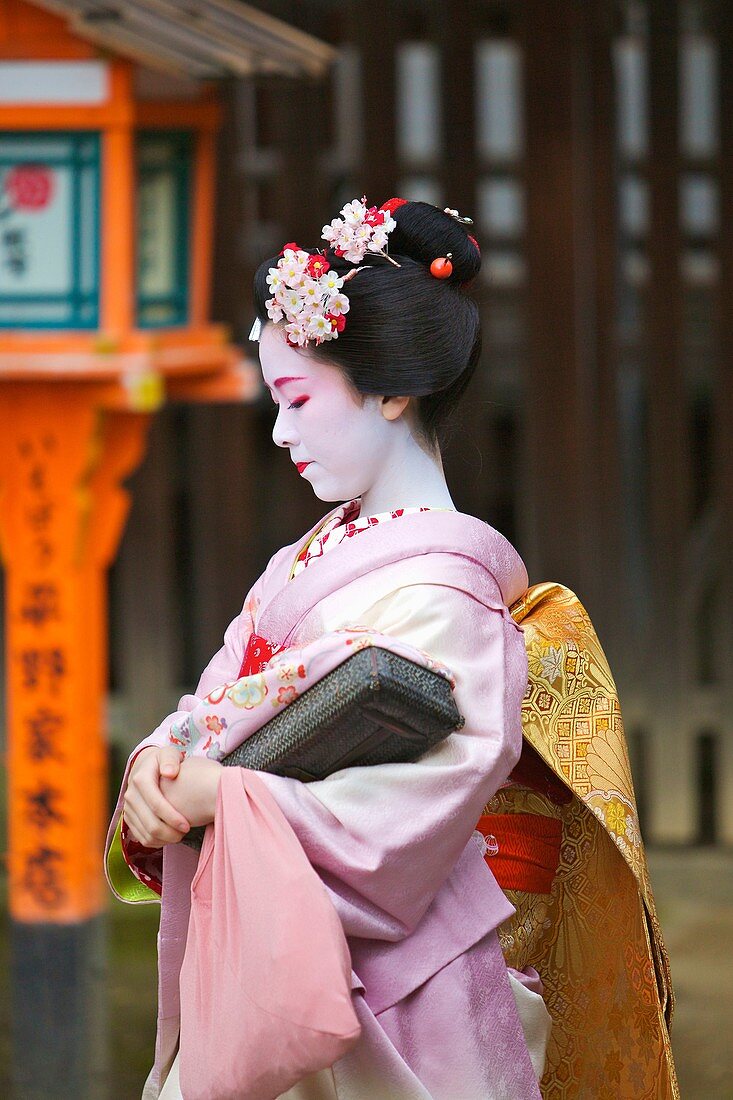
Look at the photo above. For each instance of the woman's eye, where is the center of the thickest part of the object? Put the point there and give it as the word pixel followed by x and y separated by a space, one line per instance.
pixel 297 404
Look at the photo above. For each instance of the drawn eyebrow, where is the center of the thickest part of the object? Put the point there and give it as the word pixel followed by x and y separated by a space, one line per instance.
pixel 281 381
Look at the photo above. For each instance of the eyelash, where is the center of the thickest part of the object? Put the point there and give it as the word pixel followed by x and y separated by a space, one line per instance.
pixel 298 404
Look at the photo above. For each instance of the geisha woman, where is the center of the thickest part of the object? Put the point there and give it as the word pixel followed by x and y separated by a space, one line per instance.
pixel 366 347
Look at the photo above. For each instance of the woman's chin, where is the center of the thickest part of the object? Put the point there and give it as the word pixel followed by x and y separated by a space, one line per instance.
pixel 333 494
pixel 328 496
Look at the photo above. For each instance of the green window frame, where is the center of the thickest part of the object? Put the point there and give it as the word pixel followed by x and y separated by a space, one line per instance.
pixel 163 194
pixel 66 165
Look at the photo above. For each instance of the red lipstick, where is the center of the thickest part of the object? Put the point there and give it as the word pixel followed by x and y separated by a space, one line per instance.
pixel 300 466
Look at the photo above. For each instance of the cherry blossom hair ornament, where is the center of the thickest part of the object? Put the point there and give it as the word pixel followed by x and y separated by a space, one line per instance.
pixel 307 293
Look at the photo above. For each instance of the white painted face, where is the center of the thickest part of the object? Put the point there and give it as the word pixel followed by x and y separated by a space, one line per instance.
pixel 345 446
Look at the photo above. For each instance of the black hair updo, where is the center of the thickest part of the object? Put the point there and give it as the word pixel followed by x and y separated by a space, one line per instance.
pixel 407 333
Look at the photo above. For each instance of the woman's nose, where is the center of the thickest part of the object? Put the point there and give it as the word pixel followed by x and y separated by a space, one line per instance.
pixel 282 432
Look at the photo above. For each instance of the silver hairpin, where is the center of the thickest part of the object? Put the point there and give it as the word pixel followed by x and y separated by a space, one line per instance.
pixel 457 216
pixel 254 332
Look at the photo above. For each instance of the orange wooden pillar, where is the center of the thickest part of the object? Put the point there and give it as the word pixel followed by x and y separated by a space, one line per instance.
pixel 63 508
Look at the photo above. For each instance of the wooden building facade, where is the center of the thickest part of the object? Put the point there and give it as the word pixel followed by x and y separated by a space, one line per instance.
pixel 592 142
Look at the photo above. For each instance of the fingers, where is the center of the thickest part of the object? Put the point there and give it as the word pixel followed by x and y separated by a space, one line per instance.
pixel 169 761
pixel 157 760
pixel 136 830
pixel 149 830
pixel 146 799
pixel 167 813
pixel 161 822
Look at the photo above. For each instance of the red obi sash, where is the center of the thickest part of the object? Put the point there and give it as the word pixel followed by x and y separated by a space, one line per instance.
pixel 523 850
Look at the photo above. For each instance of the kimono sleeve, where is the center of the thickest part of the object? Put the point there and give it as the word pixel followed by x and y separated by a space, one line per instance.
pixel 385 838
pixel 125 859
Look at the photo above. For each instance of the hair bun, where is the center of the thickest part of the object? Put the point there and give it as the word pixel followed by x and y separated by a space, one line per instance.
pixel 423 233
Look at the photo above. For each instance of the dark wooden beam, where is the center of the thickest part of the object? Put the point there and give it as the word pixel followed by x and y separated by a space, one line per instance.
pixel 458 167
pixel 58 1010
pixel 672 814
pixel 722 404
pixel 559 517
pixel 610 593
pixel 219 478
pixel 146 638
pixel 371 27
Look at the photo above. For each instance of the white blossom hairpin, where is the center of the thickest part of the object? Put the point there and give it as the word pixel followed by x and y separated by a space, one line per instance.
pixel 306 293
pixel 457 216
pixel 359 230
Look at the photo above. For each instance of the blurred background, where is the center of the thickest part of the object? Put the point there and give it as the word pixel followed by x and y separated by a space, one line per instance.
pixel 592 143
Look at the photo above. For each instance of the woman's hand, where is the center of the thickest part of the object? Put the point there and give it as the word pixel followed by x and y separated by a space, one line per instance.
pixel 193 792
pixel 150 817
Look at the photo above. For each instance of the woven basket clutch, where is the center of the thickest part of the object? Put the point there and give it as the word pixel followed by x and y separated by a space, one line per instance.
pixel 374 708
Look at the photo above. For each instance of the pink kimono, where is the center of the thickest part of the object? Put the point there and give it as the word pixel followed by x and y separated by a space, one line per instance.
pixel 393 844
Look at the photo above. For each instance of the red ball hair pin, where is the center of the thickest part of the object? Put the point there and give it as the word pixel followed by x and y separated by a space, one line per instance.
pixel 441 267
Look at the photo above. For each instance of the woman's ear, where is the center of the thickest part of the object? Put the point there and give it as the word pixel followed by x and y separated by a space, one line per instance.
pixel 393 407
